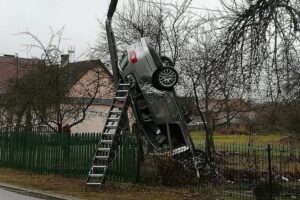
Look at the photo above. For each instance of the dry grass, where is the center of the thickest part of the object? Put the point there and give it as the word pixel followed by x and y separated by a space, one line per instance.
pixel 75 187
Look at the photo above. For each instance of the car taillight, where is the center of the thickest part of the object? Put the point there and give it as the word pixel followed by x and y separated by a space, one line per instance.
pixel 132 56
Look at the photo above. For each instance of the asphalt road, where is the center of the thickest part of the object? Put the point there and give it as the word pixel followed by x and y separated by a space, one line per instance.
pixel 11 195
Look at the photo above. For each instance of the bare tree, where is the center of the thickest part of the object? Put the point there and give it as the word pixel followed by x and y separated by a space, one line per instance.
pixel 169 27
pixel 51 94
pixel 251 48
pixel 263 37
pixel 218 92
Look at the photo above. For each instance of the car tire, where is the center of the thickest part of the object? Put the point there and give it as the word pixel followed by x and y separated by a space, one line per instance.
pixel 201 159
pixel 165 78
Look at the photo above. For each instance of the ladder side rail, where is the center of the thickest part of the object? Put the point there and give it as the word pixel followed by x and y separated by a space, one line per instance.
pixel 114 143
pixel 100 138
pixel 116 137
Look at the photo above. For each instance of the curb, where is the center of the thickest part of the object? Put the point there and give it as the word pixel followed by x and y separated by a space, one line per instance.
pixel 35 192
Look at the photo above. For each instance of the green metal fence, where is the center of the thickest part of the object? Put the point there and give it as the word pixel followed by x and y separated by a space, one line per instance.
pixel 242 167
pixel 61 154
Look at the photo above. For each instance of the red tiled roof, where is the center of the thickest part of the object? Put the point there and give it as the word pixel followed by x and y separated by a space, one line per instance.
pixel 13 67
pixel 235 104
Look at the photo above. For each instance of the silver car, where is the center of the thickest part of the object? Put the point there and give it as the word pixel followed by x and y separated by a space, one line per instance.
pixel 143 62
pixel 159 117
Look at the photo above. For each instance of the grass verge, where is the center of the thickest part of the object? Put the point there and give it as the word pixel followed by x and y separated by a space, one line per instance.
pixel 75 187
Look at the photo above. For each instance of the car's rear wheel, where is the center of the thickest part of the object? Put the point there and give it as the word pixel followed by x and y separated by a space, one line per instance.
pixel 201 159
pixel 165 78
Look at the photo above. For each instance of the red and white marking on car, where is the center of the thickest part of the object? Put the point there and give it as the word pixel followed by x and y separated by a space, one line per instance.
pixel 132 56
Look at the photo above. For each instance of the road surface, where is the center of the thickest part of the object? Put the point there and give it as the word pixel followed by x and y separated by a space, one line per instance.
pixel 11 195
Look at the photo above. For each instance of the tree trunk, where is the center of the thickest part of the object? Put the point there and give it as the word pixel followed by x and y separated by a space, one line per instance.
pixel 59 128
pixel 28 124
pixel 19 118
pixel 209 142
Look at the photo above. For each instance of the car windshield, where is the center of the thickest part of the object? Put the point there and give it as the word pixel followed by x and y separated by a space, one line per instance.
pixel 155 56
pixel 124 61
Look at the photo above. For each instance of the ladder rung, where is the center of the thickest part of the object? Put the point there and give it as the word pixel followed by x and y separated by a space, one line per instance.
pixel 108 134
pixel 103 149
pixel 96 175
pixel 147 118
pixel 119 105
pixel 148 121
pixel 93 183
pixel 101 157
pixel 99 166
pixel 121 98
pixel 124 84
pixel 113 119
pixel 115 111
pixel 106 141
pixel 122 91
pixel 111 126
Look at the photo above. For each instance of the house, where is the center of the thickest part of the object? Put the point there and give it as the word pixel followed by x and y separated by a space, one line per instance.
pixel 13 68
pixel 232 113
pixel 222 113
pixel 82 78
pixel 82 75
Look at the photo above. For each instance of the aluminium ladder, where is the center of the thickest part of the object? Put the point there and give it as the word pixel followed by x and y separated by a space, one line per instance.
pixel 116 121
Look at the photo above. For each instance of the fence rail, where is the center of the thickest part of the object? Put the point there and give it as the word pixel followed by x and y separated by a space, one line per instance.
pixel 35 129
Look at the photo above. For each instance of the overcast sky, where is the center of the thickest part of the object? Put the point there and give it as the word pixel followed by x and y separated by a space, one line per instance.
pixel 79 17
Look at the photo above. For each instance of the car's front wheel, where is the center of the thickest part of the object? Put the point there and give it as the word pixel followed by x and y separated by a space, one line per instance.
pixel 165 78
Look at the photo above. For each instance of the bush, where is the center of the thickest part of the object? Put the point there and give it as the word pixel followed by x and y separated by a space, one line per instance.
pixel 263 190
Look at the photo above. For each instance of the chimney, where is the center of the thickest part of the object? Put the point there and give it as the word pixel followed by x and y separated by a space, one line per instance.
pixel 64 59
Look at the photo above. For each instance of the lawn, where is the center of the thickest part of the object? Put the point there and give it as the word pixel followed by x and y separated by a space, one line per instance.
pixel 272 138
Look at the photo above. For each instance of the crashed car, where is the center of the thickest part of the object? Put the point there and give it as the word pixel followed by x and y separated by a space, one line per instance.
pixel 161 121
pixel 147 67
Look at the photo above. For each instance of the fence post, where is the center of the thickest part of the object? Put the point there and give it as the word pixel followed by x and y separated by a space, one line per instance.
pixel 269 149
pixel 139 153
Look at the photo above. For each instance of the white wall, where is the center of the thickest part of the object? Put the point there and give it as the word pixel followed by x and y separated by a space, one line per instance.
pixel 94 122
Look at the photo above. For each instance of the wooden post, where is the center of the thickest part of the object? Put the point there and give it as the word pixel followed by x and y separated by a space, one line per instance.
pixel 270 170
pixel 139 153
pixel 169 136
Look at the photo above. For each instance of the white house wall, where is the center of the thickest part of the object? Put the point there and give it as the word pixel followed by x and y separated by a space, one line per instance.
pixel 95 120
